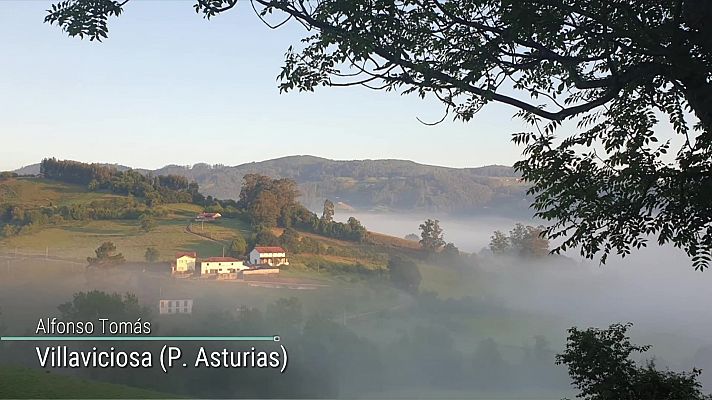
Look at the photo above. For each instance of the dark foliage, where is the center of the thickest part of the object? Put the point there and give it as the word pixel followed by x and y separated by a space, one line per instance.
pixel 404 274
pixel 600 365
pixel 612 68
pixel 106 256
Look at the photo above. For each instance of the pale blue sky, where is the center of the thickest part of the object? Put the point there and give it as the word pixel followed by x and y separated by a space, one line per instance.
pixel 168 87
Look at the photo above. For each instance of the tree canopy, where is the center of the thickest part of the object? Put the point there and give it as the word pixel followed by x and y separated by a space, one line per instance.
pixel 612 70
pixel 106 256
pixel 600 365
pixel 238 246
pixel 93 304
pixel 431 235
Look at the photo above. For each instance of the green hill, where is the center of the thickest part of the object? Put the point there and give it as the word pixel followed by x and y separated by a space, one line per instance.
pixel 77 239
pixel 24 383
pixel 74 240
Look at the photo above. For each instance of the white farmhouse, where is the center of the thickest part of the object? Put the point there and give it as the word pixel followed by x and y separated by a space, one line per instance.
pixel 176 306
pixel 273 256
pixel 184 263
pixel 221 265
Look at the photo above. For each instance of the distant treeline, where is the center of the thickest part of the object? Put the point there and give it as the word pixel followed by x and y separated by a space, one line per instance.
pixel 154 189
pixel 18 220
pixel 367 184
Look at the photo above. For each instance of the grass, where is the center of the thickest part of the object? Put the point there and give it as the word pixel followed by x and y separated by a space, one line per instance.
pixel 392 241
pixel 24 383
pixel 78 239
pixel 36 192
pixel 224 230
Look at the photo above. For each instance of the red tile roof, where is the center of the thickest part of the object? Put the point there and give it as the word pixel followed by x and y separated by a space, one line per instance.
pixel 221 259
pixel 208 214
pixel 269 249
pixel 187 253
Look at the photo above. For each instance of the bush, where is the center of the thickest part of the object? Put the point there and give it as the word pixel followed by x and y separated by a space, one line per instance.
pixel 404 274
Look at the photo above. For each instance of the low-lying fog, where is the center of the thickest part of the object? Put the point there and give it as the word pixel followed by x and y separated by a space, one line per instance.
pixel 470 234
pixel 512 301
pixel 656 288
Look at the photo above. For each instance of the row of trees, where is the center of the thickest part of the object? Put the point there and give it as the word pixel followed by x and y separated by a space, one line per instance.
pixel 270 202
pixel 525 241
pixel 17 219
pixel 155 190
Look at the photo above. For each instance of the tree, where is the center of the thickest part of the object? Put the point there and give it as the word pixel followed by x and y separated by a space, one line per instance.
pixel 404 274
pixel 238 246
pixel 147 223
pixel 152 254
pixel 609 68
pixel 106 256
pixel 265 237
pixel 290 240
pixel 268 201
pixel 600 366
pixel 535 243
pixel 499 243
pixel 526 241
pixel 265 209
pixel 327 215
pixel 412 237
pixel 356 231
pixel 450 250
pixel 431 235
pixel 88 306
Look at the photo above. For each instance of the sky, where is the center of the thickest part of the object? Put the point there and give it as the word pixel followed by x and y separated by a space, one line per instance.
pixel 168 87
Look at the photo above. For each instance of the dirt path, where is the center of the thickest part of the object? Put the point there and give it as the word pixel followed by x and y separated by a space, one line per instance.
pixel 190 231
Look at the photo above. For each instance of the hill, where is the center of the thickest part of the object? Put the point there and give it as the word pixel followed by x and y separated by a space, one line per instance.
pixel 394 185
pixel 24 383
pixel 75 237
pixel 383 185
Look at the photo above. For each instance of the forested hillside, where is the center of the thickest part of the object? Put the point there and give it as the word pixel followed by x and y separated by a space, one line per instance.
pixel 374 184
pixel 370 184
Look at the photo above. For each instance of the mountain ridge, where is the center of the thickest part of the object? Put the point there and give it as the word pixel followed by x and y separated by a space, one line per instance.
pixel 367 185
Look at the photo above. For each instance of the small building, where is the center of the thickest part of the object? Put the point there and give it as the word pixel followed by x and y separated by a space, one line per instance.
pixel 274 256
pixel 207 216
pixel 184 306
pixel 184 263
pixel 259 271
pixel 221 265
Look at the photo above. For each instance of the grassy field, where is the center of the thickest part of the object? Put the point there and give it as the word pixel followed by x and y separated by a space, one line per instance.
pixel 77 239
pixel 24 383
pixel 36 192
